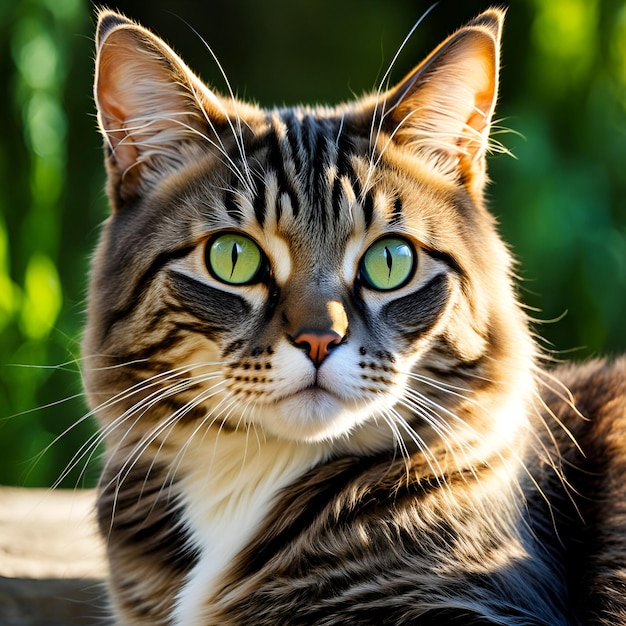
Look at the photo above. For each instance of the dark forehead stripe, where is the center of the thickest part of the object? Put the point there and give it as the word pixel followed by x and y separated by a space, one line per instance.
pixel 232 206
pixel 317 146
pixel 331 143
pixel 279 154
pixel 368 209
pixel 345 151
pixel 293 134
pixel 300 152
pixel 396 212
pixel 259 203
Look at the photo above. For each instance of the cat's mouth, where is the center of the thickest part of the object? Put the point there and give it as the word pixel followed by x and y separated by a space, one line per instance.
pixel 308 393
pixel 319 387
pixel 312 413
pixel 316 393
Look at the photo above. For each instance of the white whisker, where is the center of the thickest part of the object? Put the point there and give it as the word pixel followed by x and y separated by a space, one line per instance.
pixel 145 441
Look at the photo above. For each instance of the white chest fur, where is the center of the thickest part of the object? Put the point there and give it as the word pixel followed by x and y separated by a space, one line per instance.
pixel 230 481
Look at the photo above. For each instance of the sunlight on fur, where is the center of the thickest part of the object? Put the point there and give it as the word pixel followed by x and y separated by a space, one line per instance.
pixel 320 399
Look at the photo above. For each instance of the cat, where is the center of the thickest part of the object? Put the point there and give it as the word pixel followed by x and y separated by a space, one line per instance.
pixel 320 399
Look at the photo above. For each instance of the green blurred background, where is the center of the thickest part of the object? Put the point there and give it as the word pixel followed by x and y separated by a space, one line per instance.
pixel 561 203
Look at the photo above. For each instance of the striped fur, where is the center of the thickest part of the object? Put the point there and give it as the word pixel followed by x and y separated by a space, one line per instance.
pixel 415 467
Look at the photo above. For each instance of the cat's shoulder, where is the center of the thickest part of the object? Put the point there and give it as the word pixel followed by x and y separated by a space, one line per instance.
pixel 587 405
pixel 590 435
pixel 595 388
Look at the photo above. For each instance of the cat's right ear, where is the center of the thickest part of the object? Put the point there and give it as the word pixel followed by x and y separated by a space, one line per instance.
pixel 152 110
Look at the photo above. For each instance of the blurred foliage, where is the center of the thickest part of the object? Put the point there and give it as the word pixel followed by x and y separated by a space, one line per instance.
pixel 561 203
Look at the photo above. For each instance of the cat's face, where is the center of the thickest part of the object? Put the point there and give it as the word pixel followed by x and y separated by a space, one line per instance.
pixel 303 272
pixel 310 300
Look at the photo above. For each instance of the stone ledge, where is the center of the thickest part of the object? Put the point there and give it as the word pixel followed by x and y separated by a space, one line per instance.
pixel 52 563
pixel 52 602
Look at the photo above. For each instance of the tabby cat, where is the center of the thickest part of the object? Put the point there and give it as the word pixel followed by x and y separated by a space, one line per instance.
pixel 320 397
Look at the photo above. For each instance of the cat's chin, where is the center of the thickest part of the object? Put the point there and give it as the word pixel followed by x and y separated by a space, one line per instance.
pixel 312 414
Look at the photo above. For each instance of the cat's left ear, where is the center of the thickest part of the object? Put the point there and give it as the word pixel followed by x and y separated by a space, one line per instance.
pixel 444 107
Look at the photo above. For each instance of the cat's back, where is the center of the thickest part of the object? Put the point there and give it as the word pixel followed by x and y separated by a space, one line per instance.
pixel 587 409
pixel 588 400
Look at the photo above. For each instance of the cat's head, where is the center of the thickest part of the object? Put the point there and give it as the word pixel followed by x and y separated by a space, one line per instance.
pixel 314 272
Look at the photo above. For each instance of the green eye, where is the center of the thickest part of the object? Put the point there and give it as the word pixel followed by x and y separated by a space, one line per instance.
pixel 388 263
pixel 234 259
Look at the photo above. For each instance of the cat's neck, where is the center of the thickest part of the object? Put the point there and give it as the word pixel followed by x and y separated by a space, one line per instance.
pixel 229 483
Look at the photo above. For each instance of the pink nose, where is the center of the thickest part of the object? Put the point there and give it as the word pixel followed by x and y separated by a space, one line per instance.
pixel 318 344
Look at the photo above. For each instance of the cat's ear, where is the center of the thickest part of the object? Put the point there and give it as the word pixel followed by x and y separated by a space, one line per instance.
pixel 152 109
pixel 444 107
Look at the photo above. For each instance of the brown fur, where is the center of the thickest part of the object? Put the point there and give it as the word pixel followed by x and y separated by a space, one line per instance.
pixel 306 447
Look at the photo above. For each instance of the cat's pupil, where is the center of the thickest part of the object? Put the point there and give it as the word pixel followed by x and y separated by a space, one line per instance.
pixel 389 260
pixel 234 255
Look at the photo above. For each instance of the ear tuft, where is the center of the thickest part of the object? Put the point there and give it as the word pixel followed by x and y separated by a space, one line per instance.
pixel 107 21
pixel 492 19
